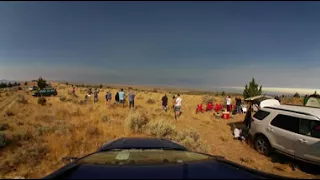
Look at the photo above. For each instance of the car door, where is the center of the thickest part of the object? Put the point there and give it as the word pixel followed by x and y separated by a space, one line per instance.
pixel 282 131
pixel 307 143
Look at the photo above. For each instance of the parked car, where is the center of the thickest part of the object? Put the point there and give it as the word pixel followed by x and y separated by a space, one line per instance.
pixel 32 88
pixel 152 158
pixel 46 92
pixel 288 129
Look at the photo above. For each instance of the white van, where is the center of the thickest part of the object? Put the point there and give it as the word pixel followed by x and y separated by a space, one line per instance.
pixel 288 129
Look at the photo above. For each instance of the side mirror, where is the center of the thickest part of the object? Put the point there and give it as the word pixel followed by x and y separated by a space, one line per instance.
pixel 68 159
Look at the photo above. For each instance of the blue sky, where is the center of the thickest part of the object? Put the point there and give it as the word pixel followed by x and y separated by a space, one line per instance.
pixel 187 44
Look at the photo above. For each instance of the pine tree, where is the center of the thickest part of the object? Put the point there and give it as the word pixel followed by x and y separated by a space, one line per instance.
pixel 252 89
pixel 41 83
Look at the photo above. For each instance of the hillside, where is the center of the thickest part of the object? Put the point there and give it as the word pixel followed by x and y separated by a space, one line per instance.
pixel 39 136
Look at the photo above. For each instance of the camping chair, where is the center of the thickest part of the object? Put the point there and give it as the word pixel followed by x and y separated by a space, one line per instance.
pixel 209 106
pixel 199 108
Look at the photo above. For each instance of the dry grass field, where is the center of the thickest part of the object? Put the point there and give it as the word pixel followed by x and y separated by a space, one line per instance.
pixel 39 136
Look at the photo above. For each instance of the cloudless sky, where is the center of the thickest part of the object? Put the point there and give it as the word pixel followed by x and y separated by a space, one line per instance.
pixel 187 44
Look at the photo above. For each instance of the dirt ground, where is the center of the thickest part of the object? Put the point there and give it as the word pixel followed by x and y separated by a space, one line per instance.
pixel 39 136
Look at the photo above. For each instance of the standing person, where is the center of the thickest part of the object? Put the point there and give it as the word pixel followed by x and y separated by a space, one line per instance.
pixel 177 106
pixel 121 97
pixel 117 98
pixel 108 97
pixel 238 105
pixel 73 90
pixel 228 103
pixel 131 99
pixel 305 100
pixel 164 102
pixel 95 93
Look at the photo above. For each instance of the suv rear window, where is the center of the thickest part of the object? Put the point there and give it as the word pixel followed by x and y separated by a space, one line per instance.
pixel 260 115
pixel 285 122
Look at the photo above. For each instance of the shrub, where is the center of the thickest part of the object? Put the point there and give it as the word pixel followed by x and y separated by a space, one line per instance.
pixel 21 99
pixel 63 98
pixel 160 128
pixel 42 101
pixel 135 121
pixel 92 130
pixel 296 95
pixel 25 83
pixel 4 126
pixel 105 118
pixel 9 113
pixel 223 93
pixel 206 99
pixel 42 130
pixel 151 101
pixel 83 102
pixel 2 140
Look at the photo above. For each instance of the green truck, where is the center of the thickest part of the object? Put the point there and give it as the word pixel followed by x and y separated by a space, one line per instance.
pixel 45 92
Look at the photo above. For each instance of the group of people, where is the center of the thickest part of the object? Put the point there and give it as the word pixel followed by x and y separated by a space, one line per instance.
pixel 120 98
pixel 177 102
pixel 218 107
pixel 89 93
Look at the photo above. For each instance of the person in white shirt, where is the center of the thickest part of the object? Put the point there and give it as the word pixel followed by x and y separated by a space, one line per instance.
pixel 228 103
pixel 177 106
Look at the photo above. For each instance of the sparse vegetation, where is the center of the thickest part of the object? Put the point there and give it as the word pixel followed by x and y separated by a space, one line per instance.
pixel 160 128
pixel 21 99
pixel 2 139
pixel 63 98
pixel 9 112
pixel 135 122
pixel 42 101
pixel 151 101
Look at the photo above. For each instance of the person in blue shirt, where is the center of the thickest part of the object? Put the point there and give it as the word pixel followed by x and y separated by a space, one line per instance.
pixel 131 99
pixel 108 97
pixel 121 97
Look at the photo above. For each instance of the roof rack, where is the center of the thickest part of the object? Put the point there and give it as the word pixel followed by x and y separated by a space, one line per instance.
pixel 298 112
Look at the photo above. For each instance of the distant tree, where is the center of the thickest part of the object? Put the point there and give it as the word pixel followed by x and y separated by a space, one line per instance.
pixel 223 93
pixel 252 89
pixel 15 84
pixel 315 93
pixel 25 83
pixel 18 84
pixel 101 86
pixel 67 83
pixel 9 85
pixel 41 83
pixel 296 95
pixel 3 85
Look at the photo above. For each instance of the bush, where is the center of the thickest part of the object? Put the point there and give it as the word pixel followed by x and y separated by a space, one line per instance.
pixel 2 140
pixel 105 118
pixel 135 121
pixel 252 90
pixel 63 98
pixel 4 126
pixel 9 113
pixel 296 95
pixel 151 101
pixel 160 128
pixel 42 101
pixel 25 83
pixel 206 99
pixel 223 93
pixel 21 99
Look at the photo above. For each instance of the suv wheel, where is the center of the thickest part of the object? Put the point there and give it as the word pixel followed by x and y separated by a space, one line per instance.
pixel 262 145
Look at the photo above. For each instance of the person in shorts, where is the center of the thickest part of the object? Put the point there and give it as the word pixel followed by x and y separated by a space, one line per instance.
pixel 108 97
pixel 121 97
pixel 177 106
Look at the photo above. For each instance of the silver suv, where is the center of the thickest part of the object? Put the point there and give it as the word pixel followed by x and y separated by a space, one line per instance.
pixel 288 129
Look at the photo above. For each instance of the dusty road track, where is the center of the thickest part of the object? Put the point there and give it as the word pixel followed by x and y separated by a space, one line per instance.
pixel 8 102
